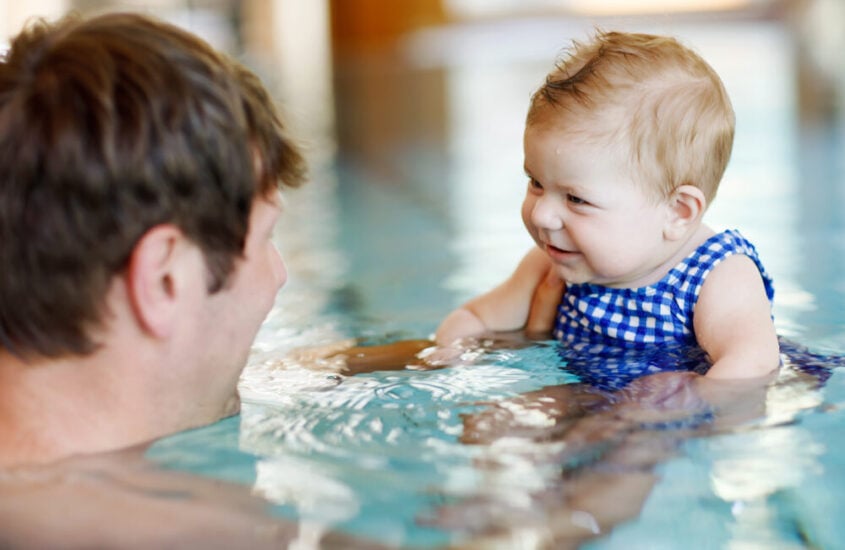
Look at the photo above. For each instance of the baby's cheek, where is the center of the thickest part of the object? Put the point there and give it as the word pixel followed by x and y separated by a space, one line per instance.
pixel 526 214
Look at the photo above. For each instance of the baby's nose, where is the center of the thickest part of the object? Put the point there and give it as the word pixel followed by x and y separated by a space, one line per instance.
pixel 547 214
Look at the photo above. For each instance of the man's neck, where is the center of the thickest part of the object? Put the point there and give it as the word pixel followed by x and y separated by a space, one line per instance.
pixel 54 408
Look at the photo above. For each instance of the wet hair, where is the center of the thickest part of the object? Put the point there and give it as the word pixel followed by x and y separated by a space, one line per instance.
pixel 657 99
pixel 110 126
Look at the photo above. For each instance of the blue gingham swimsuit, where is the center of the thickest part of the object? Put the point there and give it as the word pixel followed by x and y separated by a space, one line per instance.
pixel 608 335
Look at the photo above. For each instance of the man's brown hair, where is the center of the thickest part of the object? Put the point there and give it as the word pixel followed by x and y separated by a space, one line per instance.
pixel 108 127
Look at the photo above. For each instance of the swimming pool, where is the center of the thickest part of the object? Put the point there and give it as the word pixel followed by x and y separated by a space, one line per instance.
pixel 388 238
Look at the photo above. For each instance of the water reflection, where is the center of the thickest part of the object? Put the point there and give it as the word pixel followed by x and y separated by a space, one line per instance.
pixel 511 450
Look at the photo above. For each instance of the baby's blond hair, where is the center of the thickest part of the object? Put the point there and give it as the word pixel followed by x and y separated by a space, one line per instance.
pixel 651 95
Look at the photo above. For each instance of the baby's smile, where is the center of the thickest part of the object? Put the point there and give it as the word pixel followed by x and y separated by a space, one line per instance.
pixel 559 254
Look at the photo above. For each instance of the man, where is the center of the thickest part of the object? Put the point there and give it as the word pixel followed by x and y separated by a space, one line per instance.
pixel 139 174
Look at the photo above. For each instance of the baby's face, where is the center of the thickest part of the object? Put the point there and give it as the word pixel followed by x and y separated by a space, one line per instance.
pixel 583 208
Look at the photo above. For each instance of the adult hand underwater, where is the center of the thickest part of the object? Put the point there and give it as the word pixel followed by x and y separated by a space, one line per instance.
pixel 605 446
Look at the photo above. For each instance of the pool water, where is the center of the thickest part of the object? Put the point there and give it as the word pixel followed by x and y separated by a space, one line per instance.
pixel 387 239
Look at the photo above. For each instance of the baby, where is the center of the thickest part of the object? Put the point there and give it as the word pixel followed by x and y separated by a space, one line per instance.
pixel 625 145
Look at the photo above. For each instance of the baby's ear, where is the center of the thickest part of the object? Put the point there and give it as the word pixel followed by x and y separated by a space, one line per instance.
pixel 686 208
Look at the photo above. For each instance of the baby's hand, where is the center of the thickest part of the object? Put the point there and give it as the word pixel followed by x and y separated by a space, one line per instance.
pixel 328 357
pixel 461 352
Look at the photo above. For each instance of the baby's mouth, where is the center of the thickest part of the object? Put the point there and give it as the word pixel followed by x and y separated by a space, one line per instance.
pixel 561 255
pixel 552 248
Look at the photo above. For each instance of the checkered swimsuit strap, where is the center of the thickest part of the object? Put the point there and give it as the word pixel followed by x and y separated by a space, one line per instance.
pixel 661 312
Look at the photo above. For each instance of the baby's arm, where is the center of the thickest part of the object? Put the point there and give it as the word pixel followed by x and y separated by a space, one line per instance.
pixel 733 321
pixel 526 297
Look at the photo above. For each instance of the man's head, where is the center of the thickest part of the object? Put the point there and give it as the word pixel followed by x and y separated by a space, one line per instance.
pixel 648 98
pixel 110 127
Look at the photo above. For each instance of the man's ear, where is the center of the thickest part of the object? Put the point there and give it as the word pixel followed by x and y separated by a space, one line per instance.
pixel 686 207
pixel 153 277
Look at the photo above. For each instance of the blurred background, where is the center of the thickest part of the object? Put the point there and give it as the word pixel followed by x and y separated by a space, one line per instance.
pixel 412 110
pixel 314 50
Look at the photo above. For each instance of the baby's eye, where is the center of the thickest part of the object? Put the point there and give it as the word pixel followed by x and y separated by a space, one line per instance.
pixel 534 184
pixel 575 200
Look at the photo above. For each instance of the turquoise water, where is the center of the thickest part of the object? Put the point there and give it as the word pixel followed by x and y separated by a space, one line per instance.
pixel 385 241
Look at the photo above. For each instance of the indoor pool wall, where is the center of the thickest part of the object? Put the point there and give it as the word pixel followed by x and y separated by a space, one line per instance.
pixel 398 228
